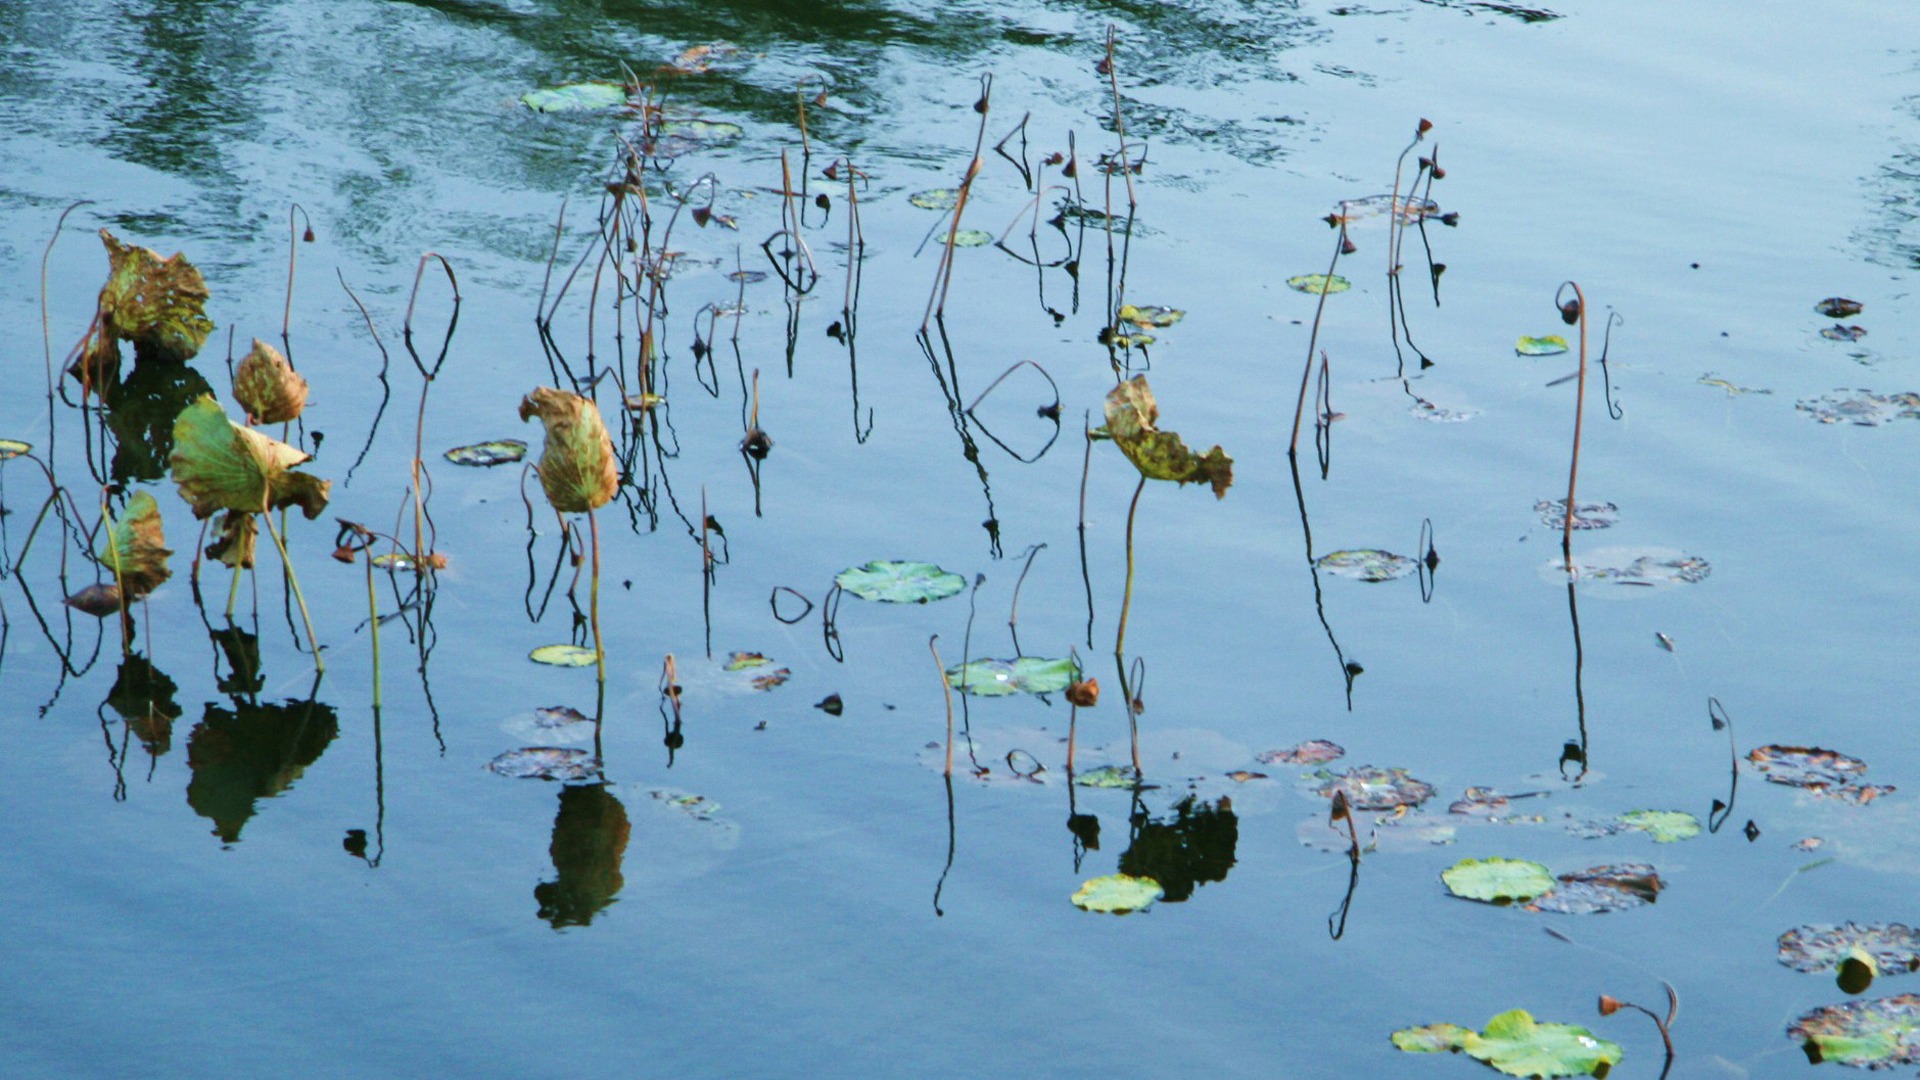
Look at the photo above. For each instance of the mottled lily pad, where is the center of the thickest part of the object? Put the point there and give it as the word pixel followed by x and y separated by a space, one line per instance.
pixel 1370 788
pixel 1315 284
pixel 999 678
pixel 740 661
pixel 1586 515
pixel 1600 889
pixel 1838 307
pixel 966 238
pixel 564 656
pixel 1894 947
pixel 135 548
pixel 1107 776
pixel 1548 345
pixel 1497 880
pixel 1146 315
pixel 1874 1034
pixel 890 582
pixel 1827 773
pixel 1431 1038
pixel 1632 566
pixel 678 138
pixel 220 465
pixel 936 198
pixel 1311 752
pixel 1366 564
pixel 1843 332
pixel 1518 1045
pixel 486 454
pixel 1410 208
pixel 551 725
pixel 1437 414
pixel 769 680
pixel 1862 407
pixel 576 97
pixel 13 448
pixel 1117 894
pixel 546 763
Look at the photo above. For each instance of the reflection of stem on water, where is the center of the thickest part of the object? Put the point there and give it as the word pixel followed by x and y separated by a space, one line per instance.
pixel 966 657
pixel 1013 609
pixel 948 868
pixel 1086 578
pixel 1120 636
pixel 1576 751
pixel 1349 670
pixel 1085 828
pixel 1720 718
pixel 958 416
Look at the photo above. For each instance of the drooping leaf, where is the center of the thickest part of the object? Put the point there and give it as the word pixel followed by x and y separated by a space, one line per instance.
pixel 1160 455
pixel 893 582
pixel 13 448
pixel 1586 515
pixel 577 468
pixel 158 304
pixel 576 97
pixel 1369 788
pixel 1862 407
pixel 1497 880
pixel 1366 564
pixel 220 465
pixel 267 386
pixel 1546 345
pixel 1893 947
pixel 1315 284
pixel 1874 1034
pixel 564 656
pixel 546 763
pixel 1025 674
pixel 1518 1045
pixel 1311 752
pixel 136 548
pixel 1117 894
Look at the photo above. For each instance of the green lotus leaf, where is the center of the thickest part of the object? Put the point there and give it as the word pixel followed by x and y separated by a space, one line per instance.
pixel 576 97
pixel 577 468
pixel 1107 776
pixel 266 385
pixel 158 304
pixel 935 198
pixel 136 548
pixel 999 678
pixel 564 656
pixel 1318 283
pixel 972 238
pixel 892 582
pixel 1872 1034
pixel 1497 880
pixel 1549 345
pixel 220 465
pixel 1431 1038
pixel 1160 455
pixel 495 452
pixel 1517 1045
pixel 1665 826
pixel 1117 894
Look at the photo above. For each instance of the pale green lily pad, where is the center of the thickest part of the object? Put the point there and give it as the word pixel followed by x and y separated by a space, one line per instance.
pixel 1117 894
pixel 1146 315
pixel 1496 880
pixel 1370 788
pixel 999 678
pixel 546 763
pixel 1318 283
pixel 972 238
pixel 486 454
pixel 890 582
pixel 564 656
pixel 936 198
pixel 1366 564
pixel 1432 1038
pixel 13 448
pixel 1894 947
pixel 1107 776
pixel 1645 567
pixel 1665 826
pixel 1874 1034
pixel 576 97
pixel 1549 345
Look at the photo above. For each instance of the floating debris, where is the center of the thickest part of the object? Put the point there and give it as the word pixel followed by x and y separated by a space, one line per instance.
pixel 1366 564
pixel 488 454
pixel 13 448
pixel 1369 788
pixel 1861 407
pixel 740 661
pixel 1311 752
pixel 1150 315
pixel 1711 379
pixel 1586 515
pixel 1632 566
pixel 1410 209
pixel 1826 773
pixel 1838 307
pixel 1663 640
pixel 771 679
pixel 967 238
pixel 546 763
pixel 1241 776
pixel 1601 889
pixel 1843 332
pixel 1549 345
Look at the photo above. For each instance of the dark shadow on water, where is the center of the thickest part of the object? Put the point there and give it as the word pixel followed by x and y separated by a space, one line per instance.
pixel 250 752
pixel 1193 847
pixel 590 834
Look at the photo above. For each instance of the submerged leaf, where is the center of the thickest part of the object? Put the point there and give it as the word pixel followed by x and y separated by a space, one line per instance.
pixel 546 763
pixel 1496 880
pixel 220 465
pixel 1311 752
pixel 1025 674
pixel 1873 1034
pixel 935 198
pixel 1862 408
pixel 1160 455
pixel 1665 826
pixel 576 97
pixel 1548 345
pixel 158 304
pixel 1600 889
pixel 1117 894
pixel 1150 315
pixel 577 468
pixel 891 582
pixel 267 386
pixel 1893 947
pixel 136 548
pixel 1369 788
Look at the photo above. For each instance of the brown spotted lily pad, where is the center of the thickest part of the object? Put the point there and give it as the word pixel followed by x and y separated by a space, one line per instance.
pixel 1823 772
pixel 1311 752
pixel 1874 1034
pixel 1370 788
pixel 1600 889
pixel 1861 407
pixel 1586 515
pixel 1893 946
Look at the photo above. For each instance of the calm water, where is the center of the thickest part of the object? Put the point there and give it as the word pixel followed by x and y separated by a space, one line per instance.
pixel 182 902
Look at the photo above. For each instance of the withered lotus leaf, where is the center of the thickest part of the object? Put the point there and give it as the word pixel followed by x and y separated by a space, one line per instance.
pixel 136 548
pixel 267 386
pixel 158 304
pixel 577 468
pixel 220 465
pixel 1160 455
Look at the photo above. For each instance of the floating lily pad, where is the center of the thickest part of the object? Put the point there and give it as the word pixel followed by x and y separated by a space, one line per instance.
pixel 748 277
pixel 1026 674
pixel 1601 889
pixel 1838 307
pixel 1117 894
pixel 576 97
pixel 740 661
pixel 1586 515
pixel 1366 564
pixel 1132 419
pixel 1665 826
pixel 564 656
pixel 487 454
pixel 1436 414
pixel 900 582
pixel 678 138
pixel 936 198
pixel 1518 1045
pixel 1431 1038
pixel 1710 379
pixel 1549 345
pixel 1822 772
pixel 1318 283
pixel 1843 332
pixel 1862 407
pixel 1874 1034
pixel 1370 788
pixel 1111 336
pixel 546 763
pixel 1633 566
pixel 972 238
pixel 1153 315
pixel 1371 206
pixel 1497 880
pixel 769 680
pixel 13 448
pixel 553 725
pixel 1311 752
pixel 1107 776
pixel 1894 947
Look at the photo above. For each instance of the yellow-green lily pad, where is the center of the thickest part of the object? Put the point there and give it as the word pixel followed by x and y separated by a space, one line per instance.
pixel 1548 345
pixel 1497 880
pixel 564 656
pixel 1874 1034
pixel 1117 894
pixel 1318 283
pixel 1518 1045
pixel 894 582
pixel 576 97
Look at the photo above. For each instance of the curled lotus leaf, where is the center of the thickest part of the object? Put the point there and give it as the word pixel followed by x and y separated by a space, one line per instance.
pixel 1586 515
pixel 1000 678
pixel 561 763
pixel 1599 889
pixel 1316 284
pixel 1546 345
pixel 1117 894
pixel 234 540
pixel 1497 880
pixel 895 582
pixel 266 385
pixel 1894 948
pixel 158 304
pixel 1150 315
pixel 1160 455
pixel 486 454
pixel 1838 307
pixel 1873 1034
pixel 1311 752
pixel 1861 407
pixel 220 465
pixel 564 656
pixel 577 468
pixel 1366 564
pixel 136 548
pixel 1369 788
pixel 576 97
pixel 13 448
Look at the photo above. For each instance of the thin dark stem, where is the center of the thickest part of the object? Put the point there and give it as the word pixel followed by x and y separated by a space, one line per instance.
pixel 1313 335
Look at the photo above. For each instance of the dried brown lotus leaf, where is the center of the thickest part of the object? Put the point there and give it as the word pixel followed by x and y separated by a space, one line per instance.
pixel 267 386
pixel 577 468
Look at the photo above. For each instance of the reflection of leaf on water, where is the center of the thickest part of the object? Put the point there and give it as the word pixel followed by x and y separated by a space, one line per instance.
pixel 1366 564
pixel 251 752
pixel 242 653
pixel 143 696
pixel 564 764
pixel 141 410
pixel 589 840
pixel 1195 846
pixel 1518 1045
pixel 135 548
pixel 486 454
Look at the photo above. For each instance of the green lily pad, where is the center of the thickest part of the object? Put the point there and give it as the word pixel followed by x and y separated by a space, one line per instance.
pixel 1150 315
pixel 1369 788
pixel 220 465
pixel 1549 345
pixel 1893 947
pixel 1106 776
pixel 13 448
pixel 1496 880
pixel 1432 1038
pixel 487 454
pixel 546 763
pixel 936 198
pixel 972 238
pixel 1600 889
pixel 1117 894
pixel 564 656
pixel 1318 283
pixel 1861 407
pixel 1665 826
pixel 1160 455
pixel 999 678
pixel 136 548
pixel 576 97
pixel 1874 1034
pixel 1366 564
pixel 890 582
pixel 1516 1044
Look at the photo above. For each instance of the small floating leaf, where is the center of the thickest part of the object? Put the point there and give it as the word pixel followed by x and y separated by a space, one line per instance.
pixel 771 679
pixel 740 661
pixel 577 468
pixel 1586 515
pixel 576 97
pixel 1843 332
pixel 1872 1034
pixel 1861 407
pixel 1665 826
pixel 1311 752
pixel 1822 772
pixel 400 560
pixel 1117 894
pixel 678 138
pixel 900 582
pixel 1106 776
pixel 13 448
pixel 136 548
pixel 1496 880
pixel 1838 307
pixel 1645 567
pixel 220 465
pixel 1241 776
pixel 831 705
pixel 1150 315
pixel 1710 379
pixel 496 452
pixel 564 656
pixel 1026 674
pixel 1549 345
pixel 935 198
pixel 1318 283
pixel 1370 788
pixel 1600 889
pixel 1431 1038
pixel 546 763
pixel 1366 564
pixel 972 238
pixel 1160 455
pixel 1893 947
pixel 267 386
pixel 1516 1044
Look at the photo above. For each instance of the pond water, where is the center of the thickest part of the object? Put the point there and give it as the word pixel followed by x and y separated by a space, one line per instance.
pixel 216 860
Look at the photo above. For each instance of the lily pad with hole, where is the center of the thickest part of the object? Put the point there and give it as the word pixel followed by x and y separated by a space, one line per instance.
pixel 1861 407
pixel 1150 315
pixel 576 97
pixel 1547 345
pixel 1117 894
pixel 564 656
pixel 1000 678
pixel 136 548
pixel 1640 568
pixel 1311 752
pixel 935 198
pixel 1366 564
pixel 1370 788
pixel 1601 889
pixel 1132 423
pixel 565 764
pixel 1586 515
pixel 220 465
pixel 1894 947
pixel 13 448
pixel 1315 284
pixel 895 582
pixel 488 454
pixel 1497 880
pixel 1875 1034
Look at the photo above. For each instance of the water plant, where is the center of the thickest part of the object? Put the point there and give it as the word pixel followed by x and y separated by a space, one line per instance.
pixel 577 473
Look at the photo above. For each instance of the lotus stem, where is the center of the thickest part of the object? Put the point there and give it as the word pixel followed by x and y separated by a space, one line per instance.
pixel 1126 596
pixel 1313 335
pixel 593 602
pixel 947 688
pixel 373 625
pixel 1579 409
pixel 293 579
